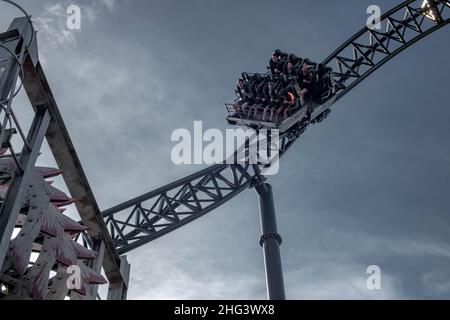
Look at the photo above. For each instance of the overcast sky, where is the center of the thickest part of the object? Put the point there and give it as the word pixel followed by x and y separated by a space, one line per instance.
pixel 369 186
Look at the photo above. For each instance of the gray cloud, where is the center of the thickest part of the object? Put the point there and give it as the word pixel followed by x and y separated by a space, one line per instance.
pixel 367 186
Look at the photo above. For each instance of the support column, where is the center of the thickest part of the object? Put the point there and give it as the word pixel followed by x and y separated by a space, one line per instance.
pixel 16 192
pixel 270 242
pixel 119 290
pixel 96 265
pixel 13 42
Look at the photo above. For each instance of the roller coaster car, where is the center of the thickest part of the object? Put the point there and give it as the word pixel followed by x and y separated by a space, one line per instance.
pixel 314 110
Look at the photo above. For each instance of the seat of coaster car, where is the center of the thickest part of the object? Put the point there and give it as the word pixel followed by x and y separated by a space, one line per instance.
pixel 321 100
pixel 307 114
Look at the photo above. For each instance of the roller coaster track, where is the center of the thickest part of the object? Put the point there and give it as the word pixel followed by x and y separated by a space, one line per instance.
pixel 152 215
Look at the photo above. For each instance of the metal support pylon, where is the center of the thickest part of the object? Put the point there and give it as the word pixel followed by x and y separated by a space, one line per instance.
pixel 58 240
pixel 270 242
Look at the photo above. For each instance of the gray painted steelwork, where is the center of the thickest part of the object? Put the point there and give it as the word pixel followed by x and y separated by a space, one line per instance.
pixel 152 215
pixel 15 44
pixel 270 242
pixel 368 50
pixel 48 123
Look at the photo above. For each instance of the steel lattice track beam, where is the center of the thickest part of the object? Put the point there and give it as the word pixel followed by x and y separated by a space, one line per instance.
pixel 150 216
pixel 157 213
pixel 368 50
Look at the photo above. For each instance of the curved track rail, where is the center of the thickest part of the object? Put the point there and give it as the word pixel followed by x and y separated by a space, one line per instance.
pixel 152 215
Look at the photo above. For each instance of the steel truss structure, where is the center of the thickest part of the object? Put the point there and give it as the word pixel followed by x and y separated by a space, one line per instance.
pixel 370 49
pixel 31 206
pixel 30 203
pixel 152 215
